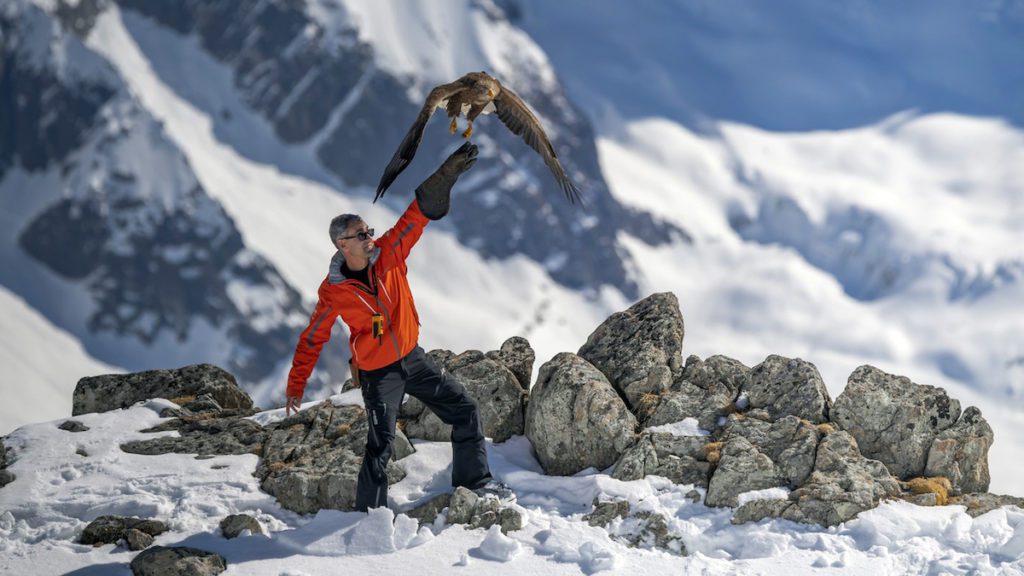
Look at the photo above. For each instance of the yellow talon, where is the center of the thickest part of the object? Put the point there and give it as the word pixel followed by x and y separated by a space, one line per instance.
pixel 468 132
pixel 454 126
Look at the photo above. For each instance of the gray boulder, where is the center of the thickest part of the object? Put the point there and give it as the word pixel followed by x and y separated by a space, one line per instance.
pixel 233 525
pixel 895 420
pixel 311 459
pixel 639 350
pixel 742 468
pixel 466 507
pixel 110 529
pixel 136 539
pixel 177 561
pixel 427 512
pixel 518 356
pixel 705 390
pixel 789 442
pixel 575 419
pixel 73 426
pixel 490 382
pixel 981 503
pixel 960 453
pixel 6 477
pixel 789 386
pixel 114 391
pixel 844 483
pixel 681 459
pixel 759 509
pixel 604 512
pixel 206 438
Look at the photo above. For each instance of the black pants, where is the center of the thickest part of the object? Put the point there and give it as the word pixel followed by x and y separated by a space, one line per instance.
pixel 418 375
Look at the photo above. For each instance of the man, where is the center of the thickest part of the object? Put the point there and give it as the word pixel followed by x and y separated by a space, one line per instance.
pixel 366 285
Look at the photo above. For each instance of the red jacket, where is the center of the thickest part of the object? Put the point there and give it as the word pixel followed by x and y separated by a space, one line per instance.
pixel 387 295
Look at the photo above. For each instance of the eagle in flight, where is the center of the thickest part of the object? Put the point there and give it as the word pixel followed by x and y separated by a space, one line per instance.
pixel 474 94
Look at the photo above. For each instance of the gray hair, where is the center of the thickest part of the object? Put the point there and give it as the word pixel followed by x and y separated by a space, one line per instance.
pixel 340 224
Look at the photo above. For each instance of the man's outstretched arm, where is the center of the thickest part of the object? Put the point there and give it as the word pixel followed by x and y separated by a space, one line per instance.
pixel 307 351
pixel 433 198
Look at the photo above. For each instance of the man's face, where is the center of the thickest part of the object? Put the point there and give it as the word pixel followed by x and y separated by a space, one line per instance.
pixel 357 240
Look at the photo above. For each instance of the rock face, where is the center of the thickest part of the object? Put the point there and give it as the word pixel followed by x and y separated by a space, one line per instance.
pixel 639 350
pixel 706 390
pixel 844 483
pixel 114 391
pixel 785 386
pixel 206 438
pixel 575 419
pixel 518 356
pixel 494 386
pixel 681 459
pixel 790 443
pixel 110 529
pixel 896 421
pixel 179 560
pixel 311 460
pixel 960 453
pixel 742 468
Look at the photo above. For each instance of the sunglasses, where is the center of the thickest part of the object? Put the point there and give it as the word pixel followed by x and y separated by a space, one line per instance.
pixel 361 235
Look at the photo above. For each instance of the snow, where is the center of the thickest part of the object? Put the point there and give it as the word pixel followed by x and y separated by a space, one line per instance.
pixel 686 427
pixel 777 493
pixel 34 386
pixel 58 490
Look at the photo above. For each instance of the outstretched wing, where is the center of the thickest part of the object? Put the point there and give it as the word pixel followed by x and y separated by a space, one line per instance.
pixel 407 149
pixel 512 112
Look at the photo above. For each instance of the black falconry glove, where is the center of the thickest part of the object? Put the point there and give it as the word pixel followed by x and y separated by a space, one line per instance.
pixel 434 194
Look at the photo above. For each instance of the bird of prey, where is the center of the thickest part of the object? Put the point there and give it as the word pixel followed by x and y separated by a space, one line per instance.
pixel 474 94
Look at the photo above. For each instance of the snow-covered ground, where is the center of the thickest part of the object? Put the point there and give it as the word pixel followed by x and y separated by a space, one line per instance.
pixel 58 490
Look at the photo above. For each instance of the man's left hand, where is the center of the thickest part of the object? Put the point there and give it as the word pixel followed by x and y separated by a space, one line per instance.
pixel 292 404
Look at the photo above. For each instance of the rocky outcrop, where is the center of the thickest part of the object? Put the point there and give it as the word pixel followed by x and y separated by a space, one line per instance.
pixel 960 453
pixel 742 468
pixel 114 391
pixel 788 386
pixel 172 561
pixel 639 350
pixel 575 419
pixel 790 443
pixel 896 421
pixel 490 381
pixel 518 356
pixel 311 459
pixel 206 438
pixel 844 483
pixel 111 529
pixel 705 390
pixel 681 459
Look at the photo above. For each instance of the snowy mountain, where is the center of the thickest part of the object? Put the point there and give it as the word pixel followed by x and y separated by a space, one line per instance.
pixel 841 184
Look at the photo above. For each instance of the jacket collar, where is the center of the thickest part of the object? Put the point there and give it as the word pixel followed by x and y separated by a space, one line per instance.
pixel 334 273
